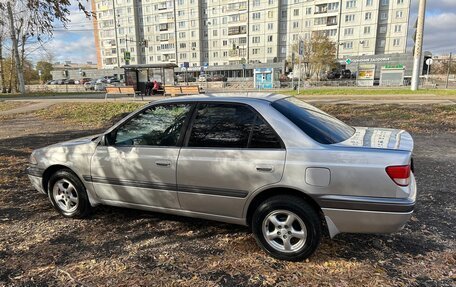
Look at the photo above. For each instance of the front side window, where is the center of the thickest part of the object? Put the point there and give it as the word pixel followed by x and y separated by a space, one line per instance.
pixel 318 125
pixel 157 126
pixel 230 126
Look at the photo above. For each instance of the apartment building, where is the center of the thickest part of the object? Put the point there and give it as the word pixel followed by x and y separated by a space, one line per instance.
pixel 230 32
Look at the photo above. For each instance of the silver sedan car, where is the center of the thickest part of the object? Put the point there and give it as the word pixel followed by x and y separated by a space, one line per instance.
pixel 284 168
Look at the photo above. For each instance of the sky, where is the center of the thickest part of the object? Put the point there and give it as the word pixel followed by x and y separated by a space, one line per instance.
pixel 76 44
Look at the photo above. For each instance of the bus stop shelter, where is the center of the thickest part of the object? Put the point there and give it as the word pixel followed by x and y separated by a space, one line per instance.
pixel 137 75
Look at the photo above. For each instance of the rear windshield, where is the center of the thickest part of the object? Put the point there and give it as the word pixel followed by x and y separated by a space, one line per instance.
pixel 317 124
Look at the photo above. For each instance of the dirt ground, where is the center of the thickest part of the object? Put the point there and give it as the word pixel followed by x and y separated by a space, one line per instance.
pixel 123 247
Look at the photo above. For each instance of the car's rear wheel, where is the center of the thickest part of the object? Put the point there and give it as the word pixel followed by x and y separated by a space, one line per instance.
pixel 68 195
pixel 287 227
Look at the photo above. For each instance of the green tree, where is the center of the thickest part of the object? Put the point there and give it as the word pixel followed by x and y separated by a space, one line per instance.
pixel 319 55
pixel 46 69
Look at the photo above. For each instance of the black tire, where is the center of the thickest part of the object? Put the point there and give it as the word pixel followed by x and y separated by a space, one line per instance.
pixel 80 209
pixel 297 206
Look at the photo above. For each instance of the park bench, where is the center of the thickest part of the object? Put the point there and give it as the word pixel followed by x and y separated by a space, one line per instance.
pixel 182 90
pixel 127 90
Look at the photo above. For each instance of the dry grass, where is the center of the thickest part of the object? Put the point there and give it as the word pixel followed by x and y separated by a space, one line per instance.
pixel 413 118
pixel 9 105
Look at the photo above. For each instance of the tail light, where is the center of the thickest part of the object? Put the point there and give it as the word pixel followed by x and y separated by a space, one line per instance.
pixel 399 174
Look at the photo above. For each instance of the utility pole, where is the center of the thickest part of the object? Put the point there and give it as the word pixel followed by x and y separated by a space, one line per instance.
pixel 115 33
pixel 17 60
pixel 449 71
pixel 127 62
pixel 418 45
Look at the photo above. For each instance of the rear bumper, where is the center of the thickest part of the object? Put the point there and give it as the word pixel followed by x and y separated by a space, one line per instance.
pixel 355 214
pixel 364 221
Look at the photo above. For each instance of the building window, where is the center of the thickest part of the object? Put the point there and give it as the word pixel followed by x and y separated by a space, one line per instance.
pixel 396 42
pixel 382 29
pixel 399 2
pixel 398 28
pixel 309 11
pixel 351 4
pixel 296 12
pixel 348 45
pixel 256 27
pixel 367 30
pixel 333 6
pixel 368 16
pixel 269 50
pixel 255 51
pixel 350 18
pixel 365 43
pixel 384 16
pixel 270 2
pixel 382 43
pixel 256 40
pixel 399 14
pixel 270 14
pixel 385 2
pixel 369 2
pixel 256 15
pixel 348 31
pixel 270 38
pixel 270 26
pixel 295 24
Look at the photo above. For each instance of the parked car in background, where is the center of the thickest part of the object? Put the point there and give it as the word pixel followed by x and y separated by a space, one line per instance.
pixel 99 87
pixel 283 167
pixel 111 80
pixel 85 80
pixel 185 78
pixel 217 78
pixel 90 85
pixel 202 78
pixel 345 74
pixel 60 82
pixel 69 82
pixel 101 80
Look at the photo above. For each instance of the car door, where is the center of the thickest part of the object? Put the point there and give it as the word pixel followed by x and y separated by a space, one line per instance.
pixel 229 151
pixel 137 164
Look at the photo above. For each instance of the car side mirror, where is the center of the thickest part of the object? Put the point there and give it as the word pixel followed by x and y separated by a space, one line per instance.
pixel 106 139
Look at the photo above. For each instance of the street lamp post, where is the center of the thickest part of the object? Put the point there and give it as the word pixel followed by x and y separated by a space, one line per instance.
pixel 418 46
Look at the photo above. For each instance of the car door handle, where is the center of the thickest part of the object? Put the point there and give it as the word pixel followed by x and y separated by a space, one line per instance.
pixel 264 168
pixel 163 163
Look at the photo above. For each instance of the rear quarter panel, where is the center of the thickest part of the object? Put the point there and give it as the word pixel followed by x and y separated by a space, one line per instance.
pixel 353 171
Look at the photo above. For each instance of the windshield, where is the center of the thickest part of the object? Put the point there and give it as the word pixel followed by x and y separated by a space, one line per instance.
pixel 317 124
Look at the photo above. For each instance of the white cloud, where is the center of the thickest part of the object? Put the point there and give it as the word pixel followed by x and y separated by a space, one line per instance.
pixel 440 23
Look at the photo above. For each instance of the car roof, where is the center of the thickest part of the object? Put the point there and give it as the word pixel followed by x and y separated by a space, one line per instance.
pixel 231 97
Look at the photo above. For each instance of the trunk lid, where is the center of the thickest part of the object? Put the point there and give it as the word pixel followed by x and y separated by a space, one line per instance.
pixel 379 138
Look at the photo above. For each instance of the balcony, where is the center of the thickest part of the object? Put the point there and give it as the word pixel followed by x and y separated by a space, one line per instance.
pixel 320 9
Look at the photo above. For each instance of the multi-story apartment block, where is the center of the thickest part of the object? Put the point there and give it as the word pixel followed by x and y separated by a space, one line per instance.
pixel 228 32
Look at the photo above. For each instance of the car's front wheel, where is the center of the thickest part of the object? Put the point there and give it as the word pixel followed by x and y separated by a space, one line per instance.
pixel 68 195
pixel 287 227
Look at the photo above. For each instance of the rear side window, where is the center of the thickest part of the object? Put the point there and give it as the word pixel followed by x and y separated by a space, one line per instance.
pixel 318 125
pixel 263 136
pixel 227 125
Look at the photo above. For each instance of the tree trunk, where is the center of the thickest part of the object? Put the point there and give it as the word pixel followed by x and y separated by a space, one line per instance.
pixel 11 75
pixel 2 69
pixel 19 68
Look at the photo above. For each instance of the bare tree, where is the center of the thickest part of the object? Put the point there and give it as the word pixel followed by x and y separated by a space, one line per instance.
pixel 34 19
pixel 2 68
